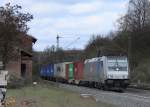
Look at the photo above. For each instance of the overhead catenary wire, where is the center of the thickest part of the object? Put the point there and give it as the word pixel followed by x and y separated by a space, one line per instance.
pixel 67 46
pixel 58 38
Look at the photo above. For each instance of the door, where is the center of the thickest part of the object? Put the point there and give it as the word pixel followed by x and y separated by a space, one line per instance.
pixel 23 70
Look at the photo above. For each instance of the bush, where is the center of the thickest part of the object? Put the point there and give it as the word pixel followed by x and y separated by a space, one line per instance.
pixel 15 82
pixel 142 73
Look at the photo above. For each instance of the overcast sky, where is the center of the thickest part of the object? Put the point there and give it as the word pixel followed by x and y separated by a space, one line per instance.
pixel 70 19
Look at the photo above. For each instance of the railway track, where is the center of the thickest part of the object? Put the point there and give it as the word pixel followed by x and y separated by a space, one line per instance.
pixel 141 92
pixel 130 98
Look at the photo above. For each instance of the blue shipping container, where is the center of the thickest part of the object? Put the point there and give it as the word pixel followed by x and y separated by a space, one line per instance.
pixel 47 71
pixel 50 70
pixel 42 71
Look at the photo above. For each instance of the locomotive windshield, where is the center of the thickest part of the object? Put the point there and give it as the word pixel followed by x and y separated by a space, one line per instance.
pixel 117 64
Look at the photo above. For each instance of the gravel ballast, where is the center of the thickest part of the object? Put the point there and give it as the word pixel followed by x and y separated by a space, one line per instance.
pixel 126 99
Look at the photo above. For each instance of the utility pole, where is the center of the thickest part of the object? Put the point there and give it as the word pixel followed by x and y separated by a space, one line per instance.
pixel 57 53
pixel 57 41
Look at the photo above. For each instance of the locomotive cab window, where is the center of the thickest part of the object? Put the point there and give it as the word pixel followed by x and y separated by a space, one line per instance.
pixel 119 64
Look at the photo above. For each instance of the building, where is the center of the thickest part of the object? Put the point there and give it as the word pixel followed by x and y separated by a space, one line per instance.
pixel 22 65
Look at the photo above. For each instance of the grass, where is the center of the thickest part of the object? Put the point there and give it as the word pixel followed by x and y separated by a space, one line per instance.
pixel 50 96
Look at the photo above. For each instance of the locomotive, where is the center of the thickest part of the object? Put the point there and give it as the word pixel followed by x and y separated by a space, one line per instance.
pixel 107 72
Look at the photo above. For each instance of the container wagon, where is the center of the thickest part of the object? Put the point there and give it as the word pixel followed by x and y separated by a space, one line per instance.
pixel 60 71
pixel 69 72
pixel 43 72
pixel 50 71
pixel 107 72
pixel 47 72
pixel 78 72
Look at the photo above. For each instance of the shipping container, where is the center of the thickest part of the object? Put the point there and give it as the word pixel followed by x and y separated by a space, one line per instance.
pixel 78 71
pixel 69 72
pixel 50 70
pixel 43 71
pixel 60 70
pixel 47 71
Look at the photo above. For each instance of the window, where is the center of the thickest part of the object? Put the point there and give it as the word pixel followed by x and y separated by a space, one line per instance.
pixel 117 65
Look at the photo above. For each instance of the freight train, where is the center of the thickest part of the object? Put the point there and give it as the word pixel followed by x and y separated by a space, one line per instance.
pixel 106 72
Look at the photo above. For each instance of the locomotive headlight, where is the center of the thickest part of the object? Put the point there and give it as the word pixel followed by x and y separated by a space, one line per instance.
pixel 117 69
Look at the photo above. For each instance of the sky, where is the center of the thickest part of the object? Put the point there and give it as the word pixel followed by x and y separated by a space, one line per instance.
pixel 75 21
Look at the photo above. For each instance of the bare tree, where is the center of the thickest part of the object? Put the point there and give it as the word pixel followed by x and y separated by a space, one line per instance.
pixel 137 17
pixel 13 23
pixel 135 25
